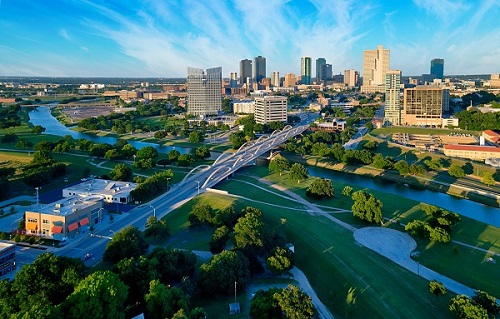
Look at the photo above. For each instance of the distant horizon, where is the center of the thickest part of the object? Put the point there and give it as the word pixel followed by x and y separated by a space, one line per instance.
pixel 155 38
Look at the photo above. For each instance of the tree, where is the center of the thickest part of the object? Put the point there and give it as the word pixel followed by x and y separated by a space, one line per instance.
pixel 488 179
pixel 463 308
pixel 200 215
pixel 50 278
pixel 437 288
pixel 128 242
pixel 486 301
pixel 219 239
pixel 402 167
pixel 220 273
pixel 147 152
pixel 121 172
pixel 248 231
pixel 111 154
pixel 173 155
pixel 202 152
pixel 38 129
pixel 196 137
pixel 264 306
pixel 281 260
pixel 100 295
pixel 418 228
pixel 367 207
pixel 185 160
pixel 156 228
pixel 279 164
pixel 298 172
pixel 434 165
pixel 163 301
pixel 456 171
pixel 237 139
pixel 347 191
pixel 295 303
pixel 320 188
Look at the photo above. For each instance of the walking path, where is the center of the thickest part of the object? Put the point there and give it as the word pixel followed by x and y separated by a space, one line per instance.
pixel 392 244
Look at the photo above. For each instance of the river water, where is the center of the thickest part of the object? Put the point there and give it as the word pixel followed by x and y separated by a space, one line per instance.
pixel 41 116
pixel 486 214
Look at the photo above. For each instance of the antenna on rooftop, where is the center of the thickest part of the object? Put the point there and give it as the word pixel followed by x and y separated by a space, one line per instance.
pixel 37 197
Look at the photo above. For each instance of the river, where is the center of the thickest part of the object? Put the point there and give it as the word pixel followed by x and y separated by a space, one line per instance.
pixel 486 214
pixel 41 116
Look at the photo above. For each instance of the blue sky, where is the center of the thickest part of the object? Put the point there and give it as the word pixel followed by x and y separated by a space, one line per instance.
pixel 161 38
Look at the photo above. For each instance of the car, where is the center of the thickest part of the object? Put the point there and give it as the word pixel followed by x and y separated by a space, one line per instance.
pixel 87 256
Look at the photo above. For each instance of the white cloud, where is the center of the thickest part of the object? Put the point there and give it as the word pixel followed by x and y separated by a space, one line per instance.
pixel 63 33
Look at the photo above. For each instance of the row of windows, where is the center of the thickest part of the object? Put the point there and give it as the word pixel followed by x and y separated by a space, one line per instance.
pixel 32 220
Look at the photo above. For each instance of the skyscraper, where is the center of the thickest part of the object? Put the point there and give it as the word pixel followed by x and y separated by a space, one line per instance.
pixel 204 91
pixel 275 79
pixel 270 109
pixel 305 70
pixel 375 65
pixel 351 78
pixel 437 68
pixel 320 70
pixel 290 80
pixel 392 109
pixel 259 68
pixel 245 70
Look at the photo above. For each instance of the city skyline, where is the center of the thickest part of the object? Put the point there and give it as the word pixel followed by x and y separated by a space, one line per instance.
pixel 155 39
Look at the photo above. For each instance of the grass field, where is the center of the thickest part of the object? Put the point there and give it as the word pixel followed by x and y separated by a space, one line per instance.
pixel 339 263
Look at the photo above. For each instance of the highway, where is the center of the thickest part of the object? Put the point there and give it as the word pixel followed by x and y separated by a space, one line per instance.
pixel 194 183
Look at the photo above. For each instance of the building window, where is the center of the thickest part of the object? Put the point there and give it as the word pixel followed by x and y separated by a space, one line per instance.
pixel 32 220
pixel 45 221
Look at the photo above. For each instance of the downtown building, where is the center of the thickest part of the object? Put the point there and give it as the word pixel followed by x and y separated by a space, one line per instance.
pixel 259 68
pixel 324 71
pixel 375 66
pixel 424 105
pixel 437 68
pixel 270 109
pixel 204 91
pixel 245 71
pixel 392 109
pixel 351 78
pixel 305 70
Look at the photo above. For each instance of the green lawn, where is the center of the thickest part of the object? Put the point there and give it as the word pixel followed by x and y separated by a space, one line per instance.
pixel 339 263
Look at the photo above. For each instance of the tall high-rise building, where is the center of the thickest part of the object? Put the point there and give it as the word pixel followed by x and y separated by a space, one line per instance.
pixel 259 68
pixel 275 79
pixel 392 109
pixel 424 105
pixel 351 78
pixel 270 109
pixel 375 65
pixel 437 68
pixel 305 70
pixel 328 72
pixel 320 70
pixel 245 70
pixel 233 79
pixel 290 80
pixel 204 91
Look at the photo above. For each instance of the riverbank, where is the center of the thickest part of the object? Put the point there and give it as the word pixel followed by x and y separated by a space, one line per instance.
pixel 419 182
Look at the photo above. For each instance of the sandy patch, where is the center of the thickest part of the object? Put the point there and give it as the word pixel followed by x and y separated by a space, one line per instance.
pixel 393 244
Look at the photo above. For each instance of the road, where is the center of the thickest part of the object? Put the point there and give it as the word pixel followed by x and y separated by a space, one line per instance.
pixel 193 184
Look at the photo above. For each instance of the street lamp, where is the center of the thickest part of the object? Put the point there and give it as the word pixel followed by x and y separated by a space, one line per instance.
pixel 168 178
pixel 112 232
pixel 134 158
pixel 198 188
pixel 154 210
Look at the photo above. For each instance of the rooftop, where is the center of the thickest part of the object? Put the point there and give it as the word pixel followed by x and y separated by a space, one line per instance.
pixel 4 245
pixel 101 187
pixel 476 148
pixel 69 205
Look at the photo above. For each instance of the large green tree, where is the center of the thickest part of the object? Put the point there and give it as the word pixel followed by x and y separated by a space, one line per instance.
pixel 488 302
pixel 367 207
pixel 280 260
pixel 156 228
pixel 264 306
pixel 121 172
pixel 279 164
pixel 164 302
pixel 320 188
pixel 128 242
pixel 248 231
pixel 295 304
pixel 298 172
pixel 456 171
pixel 464 308
pixel 101 295
pixel 222 271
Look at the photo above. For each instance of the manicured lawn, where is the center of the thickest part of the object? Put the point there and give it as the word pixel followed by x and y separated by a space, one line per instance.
pixel 339 263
